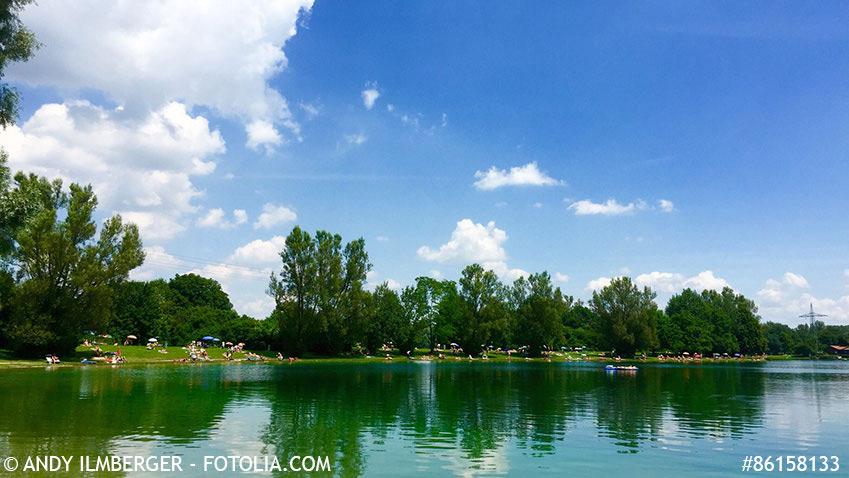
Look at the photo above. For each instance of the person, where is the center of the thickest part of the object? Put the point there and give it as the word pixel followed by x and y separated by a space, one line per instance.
pixel 279 356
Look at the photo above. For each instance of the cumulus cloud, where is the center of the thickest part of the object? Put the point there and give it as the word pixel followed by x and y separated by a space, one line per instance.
pixel 598 284
pixel 672 282
pixel 157 263
pixel 562 278
pixel 144 55
pixel 240 216
pixel 273 215
pixel 370 95
pixel 665 284
pixel 217 218
pixel 474 243
pixel 783 300
pixel 141 167
pixel 259 252
pixel 611 207
pixel 527 175
pixel 796 280
pixel 665 205
pixel 261 134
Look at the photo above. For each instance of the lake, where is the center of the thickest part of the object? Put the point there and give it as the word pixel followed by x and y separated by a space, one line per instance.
pixel 438 419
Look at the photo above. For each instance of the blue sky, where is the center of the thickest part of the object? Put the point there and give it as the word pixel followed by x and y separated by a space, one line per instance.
pixel 735 114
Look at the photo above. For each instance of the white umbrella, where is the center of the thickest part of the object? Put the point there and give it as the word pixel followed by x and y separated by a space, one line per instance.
pixel 152 340
pixel 133 337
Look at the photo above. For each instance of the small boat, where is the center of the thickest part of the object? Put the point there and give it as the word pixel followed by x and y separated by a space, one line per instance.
pixel 620 368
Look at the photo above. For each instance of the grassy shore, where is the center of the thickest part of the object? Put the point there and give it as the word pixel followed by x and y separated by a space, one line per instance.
pixel 137 354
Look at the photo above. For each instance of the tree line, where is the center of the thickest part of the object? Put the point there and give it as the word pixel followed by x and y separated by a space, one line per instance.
pixel 60 280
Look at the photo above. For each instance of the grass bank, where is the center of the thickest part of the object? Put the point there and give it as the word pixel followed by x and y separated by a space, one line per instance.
pixel 140 355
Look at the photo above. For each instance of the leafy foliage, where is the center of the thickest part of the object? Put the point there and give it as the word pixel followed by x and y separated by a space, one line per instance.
pixel 17 43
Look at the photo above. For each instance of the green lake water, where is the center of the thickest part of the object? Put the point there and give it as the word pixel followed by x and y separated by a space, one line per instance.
pixel 438 419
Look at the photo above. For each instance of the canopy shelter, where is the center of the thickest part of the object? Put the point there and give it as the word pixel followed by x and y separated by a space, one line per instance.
pixel 208 338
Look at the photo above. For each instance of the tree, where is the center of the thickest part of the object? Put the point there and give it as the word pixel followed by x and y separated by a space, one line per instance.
pixel 318 290
pixel 192 290
pixel 413 322
pixel 17 43
pixel 579 326
pixel 485 314
pixel 138 308
pixel 539 323
pixel 687 325
pixel 627 316
pixel 65 276
pixel 780 338
pixel 385 318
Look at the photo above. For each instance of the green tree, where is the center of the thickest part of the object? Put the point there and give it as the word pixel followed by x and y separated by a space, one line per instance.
pixel 414 319
pixel 485 313
pixel 539 322
pixel 385 318
pixel 626 316
pixel 780 338
pixel 318 288
pixel 65 276
pixel 192 290
pixel 17 43
pixel 688 325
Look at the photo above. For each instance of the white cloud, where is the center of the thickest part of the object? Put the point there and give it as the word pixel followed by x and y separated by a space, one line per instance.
pixel 562 278
pixel 273 215
pixel 140 167
pixel 673 282
pixel 259 252
pixel 157 263
pixel 435 274
pixel 382 239
pixel 611 207
pixel 538 205
pixel 665 205
pixel 527 175
pixel 310 110
pixel 370 95
pixel 784 300
pixel 144 55
pixel 258 308
pixel 795 280
pixel 217 218
pixel 262 133
pixel 356 139
pixel 705 280
pixel 240 216
pixel 374 279
pixel 598 284
pixel 474 243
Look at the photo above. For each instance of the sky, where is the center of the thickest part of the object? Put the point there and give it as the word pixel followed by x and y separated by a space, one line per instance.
pixel 685 144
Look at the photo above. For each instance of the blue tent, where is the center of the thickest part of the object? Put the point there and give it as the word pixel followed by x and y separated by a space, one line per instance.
pixel 208 338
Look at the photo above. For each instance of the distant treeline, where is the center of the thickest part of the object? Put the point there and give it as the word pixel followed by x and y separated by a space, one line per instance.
pixel 60 280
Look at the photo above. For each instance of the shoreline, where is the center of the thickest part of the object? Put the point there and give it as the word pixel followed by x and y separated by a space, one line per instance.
pixel 138 355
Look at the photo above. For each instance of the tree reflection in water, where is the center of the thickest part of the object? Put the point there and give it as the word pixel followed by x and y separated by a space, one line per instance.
pixel 472 412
